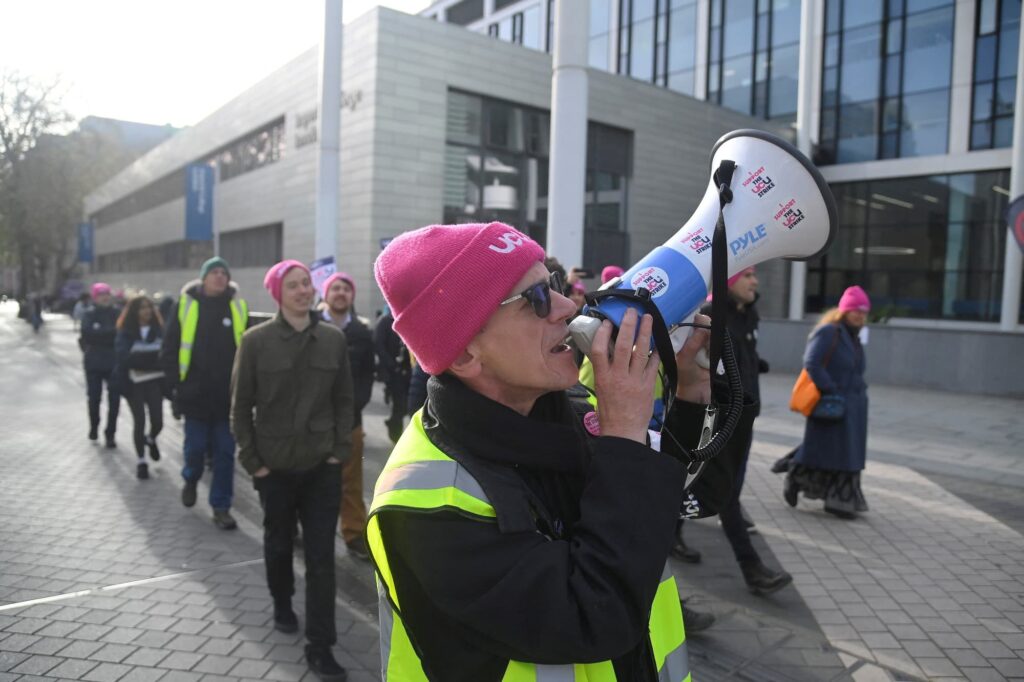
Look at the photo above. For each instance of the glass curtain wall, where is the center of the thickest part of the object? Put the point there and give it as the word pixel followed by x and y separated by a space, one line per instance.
pixel 886 81
pixel 496 168
pixel 522 28
pixel 657 42
pixel 753 57
pixel 995 73
pixel 924 247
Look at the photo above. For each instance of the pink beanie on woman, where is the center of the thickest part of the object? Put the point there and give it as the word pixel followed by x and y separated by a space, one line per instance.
pixel 610 272
pixel 275 275
pixel 854 298
pixel 98 289
pixel 443 282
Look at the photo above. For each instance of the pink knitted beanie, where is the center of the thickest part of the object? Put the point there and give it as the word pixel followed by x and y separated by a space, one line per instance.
pixel 275 275
pixel 344 277
pixel 854 298
pixel 610 272
pixel 443 282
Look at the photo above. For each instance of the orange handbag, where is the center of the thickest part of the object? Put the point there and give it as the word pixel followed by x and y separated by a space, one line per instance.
pixel 805 395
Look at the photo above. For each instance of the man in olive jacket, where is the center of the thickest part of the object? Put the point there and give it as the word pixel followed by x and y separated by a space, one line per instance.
pixel 291 413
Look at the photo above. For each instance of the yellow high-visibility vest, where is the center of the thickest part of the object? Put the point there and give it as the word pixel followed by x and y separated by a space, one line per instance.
pixel 420 478
pixel 188 319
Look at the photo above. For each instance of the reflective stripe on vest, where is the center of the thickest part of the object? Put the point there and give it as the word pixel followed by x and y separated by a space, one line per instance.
pixel 188 320
pixel 420 478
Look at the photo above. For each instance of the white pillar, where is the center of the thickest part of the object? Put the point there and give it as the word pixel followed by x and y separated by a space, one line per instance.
pixel 962 82
pixel 804 118
pixel 1014 261
pixel 700 75
pixel 567 171
pixel 328 167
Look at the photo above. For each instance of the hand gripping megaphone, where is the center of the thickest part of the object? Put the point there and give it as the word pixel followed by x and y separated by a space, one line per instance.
pixel 765 200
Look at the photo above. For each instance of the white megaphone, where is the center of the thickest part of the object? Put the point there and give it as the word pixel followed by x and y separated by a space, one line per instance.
pixel 781 207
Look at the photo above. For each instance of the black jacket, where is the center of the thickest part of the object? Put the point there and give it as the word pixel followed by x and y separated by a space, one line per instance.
pixel 392 355
pixel 742 326
pixel 99 328
pixel 569 570
pixel 134 352
pixel 362 358
pixel 206 391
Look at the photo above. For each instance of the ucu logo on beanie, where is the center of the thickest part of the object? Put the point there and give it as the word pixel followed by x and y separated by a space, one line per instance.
pixel 510 239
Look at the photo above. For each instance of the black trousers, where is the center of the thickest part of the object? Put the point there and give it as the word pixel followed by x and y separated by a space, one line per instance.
pixel 143 396
pixel 730 515
pixel 314 498
pixel 94 390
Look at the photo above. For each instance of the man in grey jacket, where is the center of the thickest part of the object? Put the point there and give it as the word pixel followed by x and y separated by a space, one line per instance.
pixel 291 413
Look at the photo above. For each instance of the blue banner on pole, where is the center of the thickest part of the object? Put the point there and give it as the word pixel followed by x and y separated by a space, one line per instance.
pixel 1015 219
pixel 199 202
pixel 85 245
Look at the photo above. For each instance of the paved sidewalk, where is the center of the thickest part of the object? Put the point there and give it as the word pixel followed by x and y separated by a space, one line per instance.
pixel 928 585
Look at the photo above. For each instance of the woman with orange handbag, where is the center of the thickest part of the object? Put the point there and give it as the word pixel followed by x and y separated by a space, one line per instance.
pixel 828 463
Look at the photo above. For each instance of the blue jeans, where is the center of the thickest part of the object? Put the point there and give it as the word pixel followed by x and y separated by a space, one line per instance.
pixel 213 437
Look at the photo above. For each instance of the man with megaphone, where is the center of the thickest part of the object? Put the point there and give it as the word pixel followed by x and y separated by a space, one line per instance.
pixel 514 537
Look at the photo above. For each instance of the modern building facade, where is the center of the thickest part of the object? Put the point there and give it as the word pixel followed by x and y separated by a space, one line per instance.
pixel 911 120
pixel 441 124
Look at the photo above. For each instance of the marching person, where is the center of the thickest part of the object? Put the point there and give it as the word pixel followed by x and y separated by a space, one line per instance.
pixel 291 411
pixel 742 323
pixel 395 367
pixel 339 294
pixel 99 329
pixel 139 337
pixel 511 542
pixel 197 355
pixel 828 463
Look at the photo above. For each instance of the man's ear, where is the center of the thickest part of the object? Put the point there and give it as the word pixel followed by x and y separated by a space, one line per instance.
pixel 467 365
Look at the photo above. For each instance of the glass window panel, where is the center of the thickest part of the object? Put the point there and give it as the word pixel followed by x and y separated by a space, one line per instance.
pixel 1010 11
pixel 683 43
pixel 981 136
pixel 680 4
pixel 925 124
pixel 761 67
pixel 987 16
pixel 832 16
pixel 785 22
pixel 681 81
pixel 736 83
pixel 828 124
pixel 922 5
pixel 504 126
pixel 830 90
pixel 739 29
pixel 536 125
pixel 831 50
pixel 893 66
pixel 598 52
pixel 983 99
pixel 894 37
pixel 1002 133
pixel 464 116
pixel 600 16
pixel 715 46
pixel 985 58
pixel 861 12
pixel 1006 91
pixel 760 107
pixel 928 57
pixel 462 181
pixel 716 12
pixel 531 28
pixel 641 62
pixel 891 115
pixel 761 38
pixel 861 64
pixel 1008 50
pixel 713 80
pixel 642 9
pixel 783 89
pixel 890 146
pixel 858 132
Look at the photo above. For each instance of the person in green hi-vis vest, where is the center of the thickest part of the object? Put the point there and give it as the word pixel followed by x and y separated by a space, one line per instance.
pixel 518 535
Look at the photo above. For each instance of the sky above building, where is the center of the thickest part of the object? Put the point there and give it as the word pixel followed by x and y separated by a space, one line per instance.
pixel 161 62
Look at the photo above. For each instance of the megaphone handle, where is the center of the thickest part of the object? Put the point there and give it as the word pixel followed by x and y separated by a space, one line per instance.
pixel 720 262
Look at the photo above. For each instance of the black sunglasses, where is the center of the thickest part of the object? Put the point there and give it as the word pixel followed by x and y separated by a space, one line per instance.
pixel 539 295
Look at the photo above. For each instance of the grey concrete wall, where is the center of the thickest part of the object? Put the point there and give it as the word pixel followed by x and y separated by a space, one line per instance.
pixel 988 363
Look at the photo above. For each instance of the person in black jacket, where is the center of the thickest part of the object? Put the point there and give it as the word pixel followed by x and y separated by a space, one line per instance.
pixel 395 370
pixel 339 294
pixel 197 356
pixel 137 347
pixel 742 324
pixel 99 327
pixel 564 559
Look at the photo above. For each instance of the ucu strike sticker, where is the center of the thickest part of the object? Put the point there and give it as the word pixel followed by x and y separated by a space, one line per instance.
pixel 653 279
pixel 509 241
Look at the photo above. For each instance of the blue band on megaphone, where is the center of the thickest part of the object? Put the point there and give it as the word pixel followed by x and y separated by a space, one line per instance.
pixel 664 270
